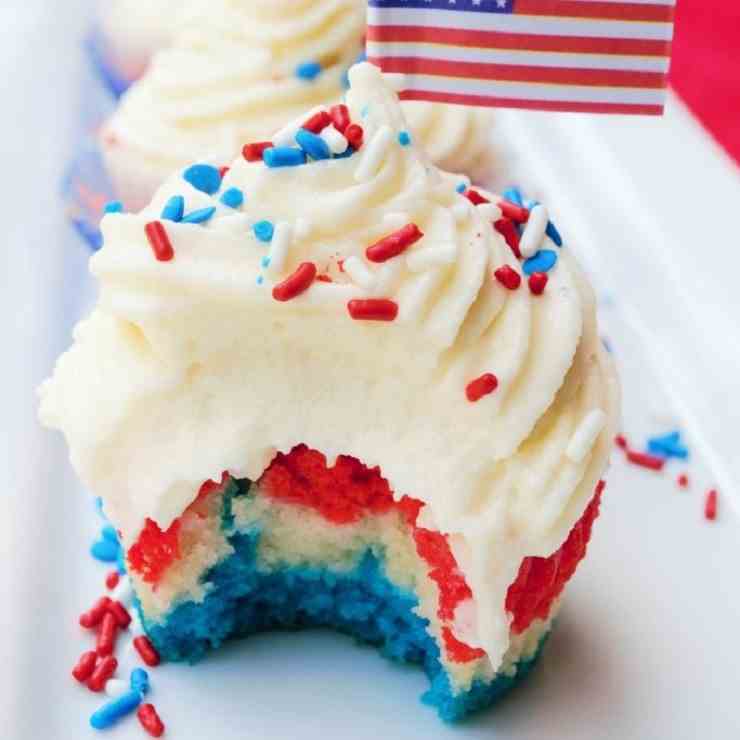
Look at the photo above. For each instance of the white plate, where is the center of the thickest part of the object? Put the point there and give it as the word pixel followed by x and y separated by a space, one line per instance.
pixel 648 644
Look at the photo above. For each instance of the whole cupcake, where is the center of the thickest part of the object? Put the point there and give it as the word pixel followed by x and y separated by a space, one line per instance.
pixel 320 388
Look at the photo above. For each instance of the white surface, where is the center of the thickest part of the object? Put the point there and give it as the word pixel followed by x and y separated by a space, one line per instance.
pixel 647 647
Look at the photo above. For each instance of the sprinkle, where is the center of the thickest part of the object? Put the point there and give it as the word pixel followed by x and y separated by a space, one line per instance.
pixel 340 117
pixel 476 198
pixel 109 533
pixel 107 635
pixel 336 142
pixel 110 713
pixel 94 615
pixel 482 386
pixel 85 666
pixel 174 208
pixel 149 720
pixel 507 229
pixel 621 441
pixel 358 272
pixel 543 261
pixel 111 580
pixel 710 505
pixel 223 171
pixel 308 71
pixel 146 650
pixel 515 212
pixel 373 309
pixel 514 195
pixel 253 152
pixel 139 681
pixel 585 435
pixel 462 187
pixel 683 480
pixel 265 262
pixel 233 198
pixel 508 277
pixel 159 241
pixel 461 210
pixel 203 177
pixel 354 135
pixel 312 144
pixel 324 279
pixel 103 671
pixel 113 206
pixel 645 460
pixel 118 610
pixel 317 122
pixel 297 283
pixel 404 138
pixel 115 687
pixel 668 445
pixel 554 234
pixel 534 231
pixel 200 216
pixel 264 230
pixel 394 244
pixel 284 156
pixel 538 283
pixel 431 256
pixel 282 239
pixel 105 550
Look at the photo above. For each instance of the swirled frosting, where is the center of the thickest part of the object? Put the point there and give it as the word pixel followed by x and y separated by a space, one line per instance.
pixel 190 367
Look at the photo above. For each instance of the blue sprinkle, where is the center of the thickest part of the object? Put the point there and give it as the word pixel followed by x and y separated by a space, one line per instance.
pixel 514 195
pixel 264 230
pixel 265 262
pixel 114 206
pixel 174 208
pixel 203 177
pixel 233 198
pixel 345 80
pixel 668 445
pixel 361 57
pixel 554 234
pixel 607 345
pixel 105 550
pixel 109 533
pixel 200 216
pixel 308 71
pixel 348 152
pixel 139 681
pixel 404 138
pixel 99 506
pixel 283 156
pixel 260 280
pixel 543 261
pixel 313 145
pixel 462 187
pixel 111 712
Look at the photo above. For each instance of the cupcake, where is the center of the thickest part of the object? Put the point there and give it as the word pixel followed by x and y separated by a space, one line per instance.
pixel 321 388
pixel 240 71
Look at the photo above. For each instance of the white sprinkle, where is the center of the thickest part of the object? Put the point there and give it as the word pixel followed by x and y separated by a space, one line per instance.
pixel 358 272
pixel 431 256
pixel 286 135
pixel 534 232
pixel 387 277
pixel 302 228
pixel 461 210
pixel 123 591
pixel 489 212
pixel 115 687
pixel 585 435
pixel 281 240
pixel 374 154
pixel 335 140
pixel 396 220
pixel 396 80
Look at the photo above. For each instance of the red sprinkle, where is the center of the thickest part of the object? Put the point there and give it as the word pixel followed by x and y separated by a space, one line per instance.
pixel 506 228
pixel 149 720
pixel 85 666
pixel 93 616
pixel 295 284
pixel 324 278
pixel 394 244
pixel 516 213
pixel 683 480
pixel 710 505
pixel 482 386
pixel 475 197
pixel 645 460
pixel 223 170
pixel 354 135
pixel 340 117
pixel 318 122
pixel 253 152
pixel 107 635
pixel 119 611
pixel 538 282
pixel 159 241
pixel 111 580
pixel 621 441
pixel 508 277
pixel 373 309
pixel 146 650
pixel 103 671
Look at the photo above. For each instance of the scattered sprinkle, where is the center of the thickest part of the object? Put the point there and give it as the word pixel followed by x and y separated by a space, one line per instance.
pixel 295 284
pixel 264 230
pixel 538 283
pixel 139 680
pixel 621 441
pixel 480 387
pixel 107 635
pixel 645 460
pixel 114 206
pixel 394 244
pixel 146 650
pixel 284 156
pixel 461 187
pixel 265 262
pixel 507 229
pixel 336 141
pixel 516 213
pixel 110 713
pixel 103 671
pixel 683 480
pixel 149 720
pixel 543 261
pixel 340 117
pixel 514 195
pixel 200 216
pixel 534 232
pixel 253 152
pixel 85 666
pixel 312 144
pixel 223 171
pixel 373 309
pixel 282 240
pixel 354 134
pixel 554 234
pixel 159 241
pixel 404 138
pixel 508 277
pixel 93 616
pixel 111 580
pixel 105 550
pixel 260 279
pixel 308 71
pixel 668 445
pixel 203 177
pixel 475 197
pixel 174 209
pixel 120 613
pixel 233 198
pixel 318 122
pixel 710 505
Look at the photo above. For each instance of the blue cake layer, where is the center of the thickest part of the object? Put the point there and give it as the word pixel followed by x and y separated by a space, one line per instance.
pixel 363 602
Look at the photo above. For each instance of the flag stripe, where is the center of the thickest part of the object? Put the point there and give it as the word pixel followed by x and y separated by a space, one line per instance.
pixel 525 73
pixel 519 41
pixel 596 9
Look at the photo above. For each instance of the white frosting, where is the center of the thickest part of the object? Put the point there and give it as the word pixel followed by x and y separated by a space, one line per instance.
pixel 188 368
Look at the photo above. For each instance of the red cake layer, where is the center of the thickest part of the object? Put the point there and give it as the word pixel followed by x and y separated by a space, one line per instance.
pixel 349 491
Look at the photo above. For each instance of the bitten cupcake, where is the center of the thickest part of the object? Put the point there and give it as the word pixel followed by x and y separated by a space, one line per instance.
pixel 333 386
